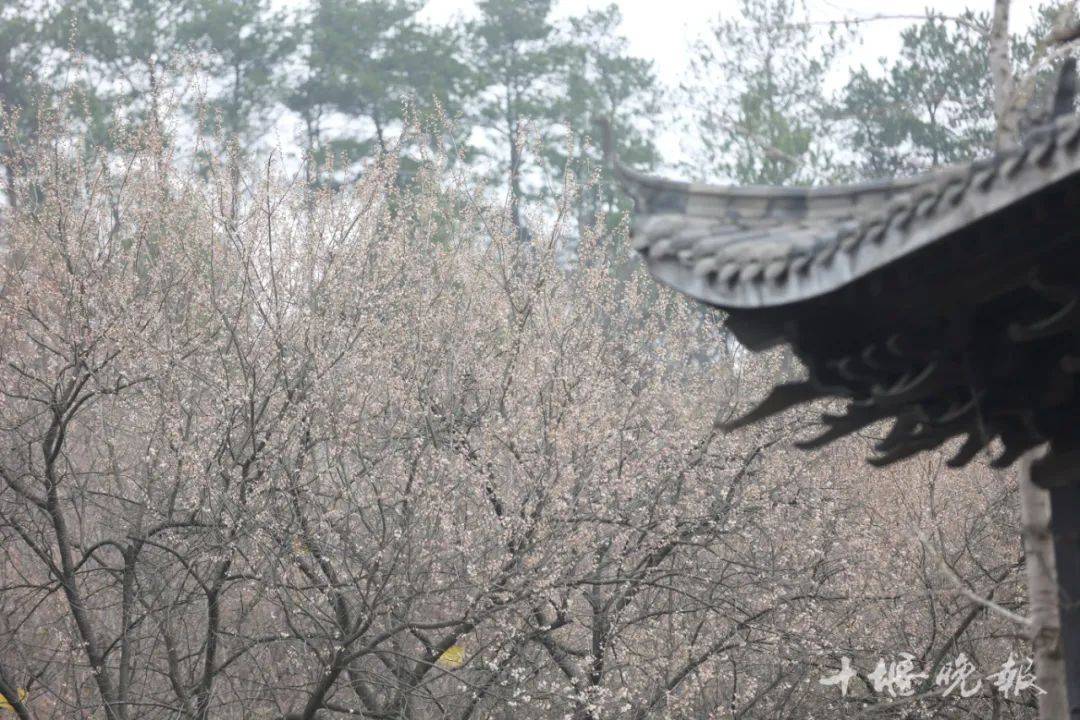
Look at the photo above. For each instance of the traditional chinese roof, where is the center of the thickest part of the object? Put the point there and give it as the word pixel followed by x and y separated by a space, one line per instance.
pixel 948 302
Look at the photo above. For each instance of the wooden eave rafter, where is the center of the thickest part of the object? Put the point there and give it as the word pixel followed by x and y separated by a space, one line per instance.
pixel 948 303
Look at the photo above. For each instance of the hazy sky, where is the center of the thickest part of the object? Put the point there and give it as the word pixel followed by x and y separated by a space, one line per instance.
pixel 659 29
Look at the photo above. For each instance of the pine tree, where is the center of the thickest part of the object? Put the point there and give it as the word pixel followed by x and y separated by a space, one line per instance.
pixel 756 96
pixel 930 106
pixel 23 29
pixel 515 61
pixel 246 44
pixel 601 81
pixel 362 65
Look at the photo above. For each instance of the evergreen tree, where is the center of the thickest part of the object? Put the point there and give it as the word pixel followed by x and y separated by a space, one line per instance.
pixel 246 44
pixel 756 96
pixel 133 47
pixel 515 57
pixel 362 64
pixel 930 106
pixel 933 104
pixel 601 81
pixel 24 30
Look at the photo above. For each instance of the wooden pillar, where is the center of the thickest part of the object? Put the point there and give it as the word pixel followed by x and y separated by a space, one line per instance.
pixel 1043 590
pixel 1065 514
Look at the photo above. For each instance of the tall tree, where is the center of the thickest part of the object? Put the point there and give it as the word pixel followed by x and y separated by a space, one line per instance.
pixel 601 81
pixel 756 95
pixel 937 104
pixel 931 105
pixel 246 43
pixel 23 29
pixel 131 46
pixel 362 63
pixel 515 59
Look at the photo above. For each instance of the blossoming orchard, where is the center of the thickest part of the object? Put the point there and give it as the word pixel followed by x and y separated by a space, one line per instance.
pixel 355 430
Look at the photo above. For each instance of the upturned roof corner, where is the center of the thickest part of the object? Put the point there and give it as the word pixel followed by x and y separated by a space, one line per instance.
pixel 947 302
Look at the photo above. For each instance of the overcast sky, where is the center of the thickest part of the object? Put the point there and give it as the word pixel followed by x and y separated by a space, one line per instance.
pixel 659 29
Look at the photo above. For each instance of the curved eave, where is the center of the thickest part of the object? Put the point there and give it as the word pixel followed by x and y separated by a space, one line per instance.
pixel 765 247
pixel 647 188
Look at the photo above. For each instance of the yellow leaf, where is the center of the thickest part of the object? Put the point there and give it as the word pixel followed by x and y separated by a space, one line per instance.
pixel 453 658
pixel 5 705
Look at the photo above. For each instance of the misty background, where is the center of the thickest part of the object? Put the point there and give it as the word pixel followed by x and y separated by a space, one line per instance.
pixel 749 92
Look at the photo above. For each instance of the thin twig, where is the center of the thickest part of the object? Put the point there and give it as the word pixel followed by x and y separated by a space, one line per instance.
pixel 962 586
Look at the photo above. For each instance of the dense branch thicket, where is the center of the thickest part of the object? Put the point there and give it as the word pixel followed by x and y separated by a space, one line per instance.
pixel 297 453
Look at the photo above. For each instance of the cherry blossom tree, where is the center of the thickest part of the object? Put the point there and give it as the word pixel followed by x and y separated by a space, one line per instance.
pixel 274 450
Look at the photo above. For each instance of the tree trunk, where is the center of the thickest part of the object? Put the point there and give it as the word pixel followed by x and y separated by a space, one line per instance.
pixel 515 180
pixel 9 183
pixel 1045 630
pixel 1002 74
